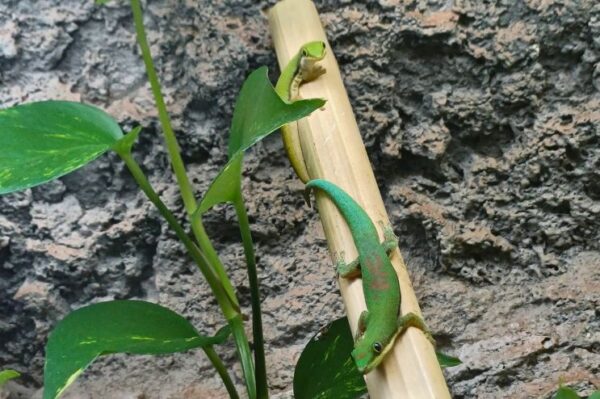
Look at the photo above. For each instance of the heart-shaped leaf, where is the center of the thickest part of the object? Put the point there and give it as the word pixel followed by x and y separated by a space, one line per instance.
pixel 564 392
pixel 325 369
pixel 44 140
pixel 6 375
pixel 115 327
pixel 258 112
pixel 337 376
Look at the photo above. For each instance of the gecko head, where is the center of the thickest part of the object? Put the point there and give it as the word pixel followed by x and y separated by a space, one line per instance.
pixel 314 50
pixel 370 351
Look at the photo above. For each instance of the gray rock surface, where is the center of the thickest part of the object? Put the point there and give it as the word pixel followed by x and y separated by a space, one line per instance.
pixel 482 121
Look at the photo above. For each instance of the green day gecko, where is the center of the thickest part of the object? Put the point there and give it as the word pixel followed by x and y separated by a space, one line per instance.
pixel 301 68
pixel 381 323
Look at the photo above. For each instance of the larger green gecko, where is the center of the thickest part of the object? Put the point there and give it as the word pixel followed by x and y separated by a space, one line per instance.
pixel 381 323
pixel 301 68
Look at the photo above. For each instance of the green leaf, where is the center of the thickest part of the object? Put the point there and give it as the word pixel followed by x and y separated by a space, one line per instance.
pixel 6 375
pixel 325 369
pixel 225 188
pixel 115 327
pixel 44 140
pixel 447 360
pixel 595 395
pixel 564 392
pixel 258 112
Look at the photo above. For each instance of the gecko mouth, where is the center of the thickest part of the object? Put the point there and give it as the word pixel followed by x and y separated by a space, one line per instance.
pixel 365 370
pixel 377 360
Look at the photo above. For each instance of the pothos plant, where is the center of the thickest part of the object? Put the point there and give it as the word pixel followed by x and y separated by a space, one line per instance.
pixel 42 141
pixel 565 392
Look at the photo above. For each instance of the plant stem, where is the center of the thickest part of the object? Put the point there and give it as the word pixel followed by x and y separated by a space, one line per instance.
pixel 189 201
pixel 262 388
pixel 199 258
pixel 230 313
pixel 212 256
pixel 220 367
pixel 237 326
pixel 239 335
pixel 187 194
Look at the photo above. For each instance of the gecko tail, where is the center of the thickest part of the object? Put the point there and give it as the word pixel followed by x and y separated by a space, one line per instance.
pixel 311 186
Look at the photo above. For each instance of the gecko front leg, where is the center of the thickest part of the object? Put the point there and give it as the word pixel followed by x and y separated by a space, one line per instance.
pixel 413 320
pixel 347 270
pixel 390 240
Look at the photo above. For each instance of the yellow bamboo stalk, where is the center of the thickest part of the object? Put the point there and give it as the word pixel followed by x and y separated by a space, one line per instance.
pixel 333 150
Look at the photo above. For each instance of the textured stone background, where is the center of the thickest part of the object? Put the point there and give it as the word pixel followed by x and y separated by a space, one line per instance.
pixel 482 122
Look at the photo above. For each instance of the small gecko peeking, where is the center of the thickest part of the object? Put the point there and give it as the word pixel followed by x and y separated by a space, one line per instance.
pixel 380 324
pixel 301 68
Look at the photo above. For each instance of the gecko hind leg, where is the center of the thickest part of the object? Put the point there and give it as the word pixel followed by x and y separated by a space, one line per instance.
pixel 347 270
pixel 413 320
pixel 362 325
pixel 390 240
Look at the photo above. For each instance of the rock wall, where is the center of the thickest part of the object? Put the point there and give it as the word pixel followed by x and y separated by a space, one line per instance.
pixel 482 121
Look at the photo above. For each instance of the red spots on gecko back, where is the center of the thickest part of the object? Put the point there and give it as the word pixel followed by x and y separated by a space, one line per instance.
pixel 375 271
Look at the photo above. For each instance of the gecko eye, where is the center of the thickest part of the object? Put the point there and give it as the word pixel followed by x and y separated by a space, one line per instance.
pixel 305 53
pixel 377 347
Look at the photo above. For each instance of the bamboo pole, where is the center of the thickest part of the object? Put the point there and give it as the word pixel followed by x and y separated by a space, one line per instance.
pixel 333 150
